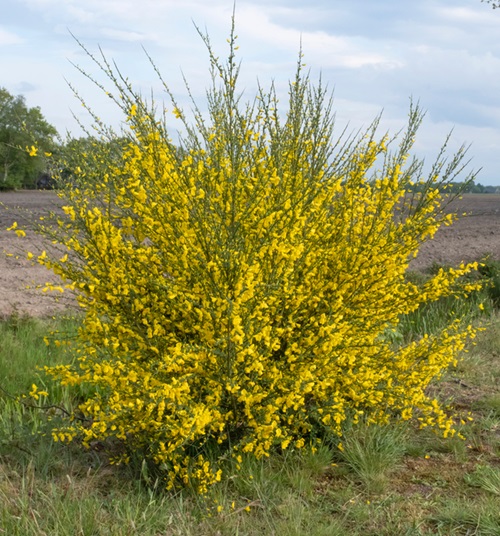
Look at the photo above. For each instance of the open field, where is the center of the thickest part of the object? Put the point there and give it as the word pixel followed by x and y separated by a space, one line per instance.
pixel 468 239
pixel 20 278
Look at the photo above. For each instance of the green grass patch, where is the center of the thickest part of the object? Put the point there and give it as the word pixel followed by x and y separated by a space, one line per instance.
pixel 24 350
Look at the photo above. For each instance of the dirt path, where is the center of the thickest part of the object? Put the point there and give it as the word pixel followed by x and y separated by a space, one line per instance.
pixel 468 239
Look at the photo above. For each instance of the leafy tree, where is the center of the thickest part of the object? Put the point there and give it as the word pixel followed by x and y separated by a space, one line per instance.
pixel 22 130
pixel 493 3
pixel 477 188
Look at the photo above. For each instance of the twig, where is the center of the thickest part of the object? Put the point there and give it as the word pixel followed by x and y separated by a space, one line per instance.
pixel 47 407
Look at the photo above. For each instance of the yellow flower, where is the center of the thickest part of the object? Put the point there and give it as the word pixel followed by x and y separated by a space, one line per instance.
pixel 35 393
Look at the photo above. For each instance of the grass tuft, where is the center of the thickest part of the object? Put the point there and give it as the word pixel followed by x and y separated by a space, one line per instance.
pixel 485 477
pixel 372 452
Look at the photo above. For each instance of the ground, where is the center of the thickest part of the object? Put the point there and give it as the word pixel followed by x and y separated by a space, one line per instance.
pixel 21 280
pixel 475 234
pixel 470 238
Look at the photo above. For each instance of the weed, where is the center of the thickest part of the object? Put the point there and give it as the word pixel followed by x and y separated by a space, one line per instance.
pixel 372 452
pixel 485 477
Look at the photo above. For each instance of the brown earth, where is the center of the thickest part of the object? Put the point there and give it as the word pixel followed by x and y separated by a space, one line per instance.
pixel 470 238
pixel 21 280
pixel 474 235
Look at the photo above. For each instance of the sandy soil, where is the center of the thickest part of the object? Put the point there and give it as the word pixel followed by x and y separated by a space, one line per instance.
pixel 468 239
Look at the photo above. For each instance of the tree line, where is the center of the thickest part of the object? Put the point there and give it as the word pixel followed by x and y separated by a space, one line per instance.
pixel 32 154
pixel 26 140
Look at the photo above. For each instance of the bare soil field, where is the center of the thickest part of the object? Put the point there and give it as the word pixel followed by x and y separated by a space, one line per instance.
pixel 21 280
pixel 470 238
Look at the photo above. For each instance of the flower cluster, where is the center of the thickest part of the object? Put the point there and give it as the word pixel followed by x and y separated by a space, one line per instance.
pixel 238 289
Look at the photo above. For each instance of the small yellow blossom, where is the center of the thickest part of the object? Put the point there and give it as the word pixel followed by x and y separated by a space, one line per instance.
pixel 35 393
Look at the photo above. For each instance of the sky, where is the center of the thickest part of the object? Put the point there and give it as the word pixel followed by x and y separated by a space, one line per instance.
pixel 375 56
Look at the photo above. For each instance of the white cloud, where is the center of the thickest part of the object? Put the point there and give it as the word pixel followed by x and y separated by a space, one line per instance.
pixel 124 35
pixel 9 38
pixel 467 15
pixel 325 49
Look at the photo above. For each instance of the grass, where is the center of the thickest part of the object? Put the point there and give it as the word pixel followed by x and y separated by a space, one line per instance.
pixel 387 480
pixel 371 452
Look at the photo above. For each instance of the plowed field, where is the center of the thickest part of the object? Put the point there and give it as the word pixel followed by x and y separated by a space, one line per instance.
pixel 468 239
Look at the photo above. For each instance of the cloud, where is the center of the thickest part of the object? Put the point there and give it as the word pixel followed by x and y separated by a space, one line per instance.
pixel 327 49
pixel 124 35
pixel 375 54
pixel 467 16
pixel 9 38
pixel 25 87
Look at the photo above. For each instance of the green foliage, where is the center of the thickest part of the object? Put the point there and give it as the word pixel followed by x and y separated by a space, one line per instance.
pixel 485 477
pixel 480 189
pixel 22 128
pixel 22 344
pixel 431 317
pixel 466 517
pixel 490 270
pixel 238 291
pixel 457 188
pixel 100 151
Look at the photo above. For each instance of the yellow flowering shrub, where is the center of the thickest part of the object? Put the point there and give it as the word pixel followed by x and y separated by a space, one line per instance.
pixel 238 289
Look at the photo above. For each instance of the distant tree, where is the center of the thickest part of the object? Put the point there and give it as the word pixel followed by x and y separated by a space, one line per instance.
pixel 490 190
pixel 22 129
pixel 477 189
